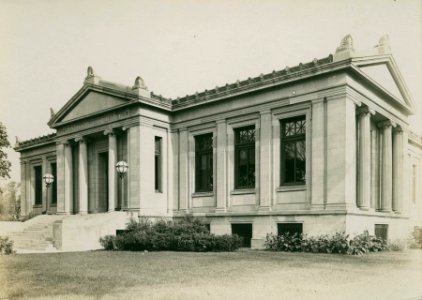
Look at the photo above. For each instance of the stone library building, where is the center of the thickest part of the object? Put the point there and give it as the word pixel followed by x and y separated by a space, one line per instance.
pixel 317 148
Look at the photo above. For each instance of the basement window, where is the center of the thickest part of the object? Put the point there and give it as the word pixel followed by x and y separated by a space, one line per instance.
pixel 289 228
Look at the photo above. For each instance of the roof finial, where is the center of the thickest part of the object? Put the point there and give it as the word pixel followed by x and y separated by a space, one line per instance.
pixel 345 50
pixel 52 113
pixel 346 44
pixel 383 46
pixel 139 83
pixel 90 72
pixel 91 77
pixel 17 142
pixel 140 88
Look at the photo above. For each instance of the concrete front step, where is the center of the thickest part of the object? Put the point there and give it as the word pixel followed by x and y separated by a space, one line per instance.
pixel 36 236
pixel 71 232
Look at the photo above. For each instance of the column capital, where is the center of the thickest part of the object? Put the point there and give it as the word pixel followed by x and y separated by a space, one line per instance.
pixel 364 110
pixel 265 112
pixel 398 129
pixel 80 139
pixel 386 123
pixel 223 121
pixel 109 131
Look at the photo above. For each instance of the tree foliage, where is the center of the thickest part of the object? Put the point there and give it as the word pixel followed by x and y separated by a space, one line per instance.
pixel 4 162
pixel 10 206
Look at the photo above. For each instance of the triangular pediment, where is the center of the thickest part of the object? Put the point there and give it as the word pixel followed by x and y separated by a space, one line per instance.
pixel 89 101
pixel 382 71
pixel 93 102
pixel 382 75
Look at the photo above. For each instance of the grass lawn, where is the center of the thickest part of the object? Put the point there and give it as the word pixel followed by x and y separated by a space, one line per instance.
pixel 244 274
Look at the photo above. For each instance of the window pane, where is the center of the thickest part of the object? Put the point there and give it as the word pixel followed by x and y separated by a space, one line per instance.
pixel 157 164
pixel 245 135
pixel 290 228
pixel 245 157
pixel 204 163
pixel 300 161
pixel 293 154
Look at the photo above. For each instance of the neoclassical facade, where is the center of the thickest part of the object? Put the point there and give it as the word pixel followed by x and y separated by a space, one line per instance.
pixel 321 147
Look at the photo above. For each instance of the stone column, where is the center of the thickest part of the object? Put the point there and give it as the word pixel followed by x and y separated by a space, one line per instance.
pixel 221 172
pixel 68 178
pixel 83 176
pixel 387 166
pixel 183 170
pixel 112 178
pixel 364 160
pixel 60 177
pixel 132 180
pixel 398 164
pixel 374 168
pixel 265 161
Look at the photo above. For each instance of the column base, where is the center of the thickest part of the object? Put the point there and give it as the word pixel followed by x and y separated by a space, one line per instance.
pixel 220 210
pixel 365 208
pixel 82 213
pixel 385 210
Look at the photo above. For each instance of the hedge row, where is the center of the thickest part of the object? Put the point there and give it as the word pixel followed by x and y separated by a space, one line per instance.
pixel 337 243
pixel 184 235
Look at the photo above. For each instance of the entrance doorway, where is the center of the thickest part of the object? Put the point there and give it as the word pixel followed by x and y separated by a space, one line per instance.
pixel 102 199
pixel 244 230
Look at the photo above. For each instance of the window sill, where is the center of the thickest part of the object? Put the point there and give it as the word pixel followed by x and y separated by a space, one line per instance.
pixel 243 192
pixel 158 192
pixel 291 188
pixel 202 194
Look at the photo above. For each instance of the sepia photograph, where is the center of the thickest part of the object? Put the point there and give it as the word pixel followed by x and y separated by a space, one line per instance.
pixel 227 149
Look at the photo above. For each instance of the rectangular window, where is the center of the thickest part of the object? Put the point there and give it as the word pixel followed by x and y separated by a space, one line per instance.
pixel 54 184
pixel 203 163
pixel 381 231
pixel 293 151
pixel 38 185
pixel 157 164
pixel 245 157
pixel 290 228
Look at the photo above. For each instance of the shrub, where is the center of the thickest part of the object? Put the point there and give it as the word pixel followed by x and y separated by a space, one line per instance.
pixel 396 246
pixel 286 242
pixel 6 246
pixel 416 239
pixel 188 234
pixel 364 243
pixel 108 242
pixel 337 243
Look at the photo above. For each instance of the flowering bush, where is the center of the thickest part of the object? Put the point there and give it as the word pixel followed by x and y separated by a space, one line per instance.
pixel 337 243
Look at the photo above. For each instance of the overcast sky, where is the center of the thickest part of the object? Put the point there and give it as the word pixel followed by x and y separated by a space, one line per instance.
pixel 180 47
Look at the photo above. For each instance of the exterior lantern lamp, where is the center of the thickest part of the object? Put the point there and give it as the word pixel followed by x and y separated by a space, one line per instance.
pixel 48 179
pixel 121 168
